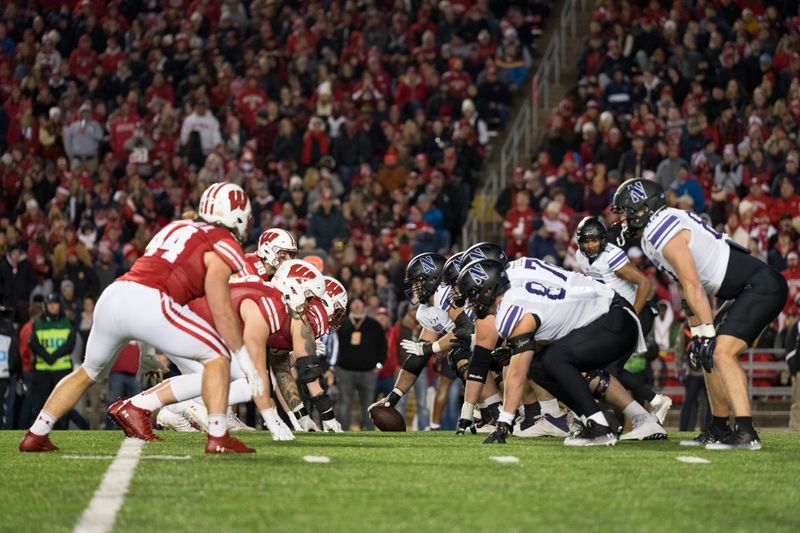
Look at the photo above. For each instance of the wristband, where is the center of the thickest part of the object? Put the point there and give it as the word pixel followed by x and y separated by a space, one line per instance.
pixel 466 410
pixel 703 330
pixel 435 347
pixel 506 417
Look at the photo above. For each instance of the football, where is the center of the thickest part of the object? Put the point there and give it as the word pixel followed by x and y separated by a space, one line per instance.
pixel 387 418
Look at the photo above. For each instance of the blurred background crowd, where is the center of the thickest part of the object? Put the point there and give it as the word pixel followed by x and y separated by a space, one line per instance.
pixel 362 127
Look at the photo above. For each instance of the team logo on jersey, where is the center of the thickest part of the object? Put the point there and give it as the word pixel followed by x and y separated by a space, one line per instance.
pixel 427 264
pixel 637 192
pixel 478 274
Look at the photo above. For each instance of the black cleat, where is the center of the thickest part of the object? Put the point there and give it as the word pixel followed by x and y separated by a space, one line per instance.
pixel 708 436
pixel 737 440
pixel 592 434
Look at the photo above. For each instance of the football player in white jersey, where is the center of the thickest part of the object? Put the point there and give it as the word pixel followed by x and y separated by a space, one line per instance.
pixel 609 264
pixel 586 324
pixel 707 263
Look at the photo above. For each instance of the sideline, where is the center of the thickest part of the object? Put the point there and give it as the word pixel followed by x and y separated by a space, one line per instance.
pixel 102 510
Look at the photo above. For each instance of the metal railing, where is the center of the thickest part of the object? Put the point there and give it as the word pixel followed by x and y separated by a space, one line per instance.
pixel 483 223
pixel 750 366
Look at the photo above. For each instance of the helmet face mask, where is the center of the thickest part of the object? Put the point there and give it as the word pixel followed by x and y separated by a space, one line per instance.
pixel 275 246
pixel 423 276
pixel 335 302
pixel 591 235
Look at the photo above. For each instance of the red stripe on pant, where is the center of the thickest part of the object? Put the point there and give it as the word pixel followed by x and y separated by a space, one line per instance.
pixel 194 334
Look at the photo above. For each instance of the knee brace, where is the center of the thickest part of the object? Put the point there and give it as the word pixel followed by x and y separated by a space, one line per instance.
pixel 416 364
pixel 603 381
pixel 479 364
pixel 308 369
pixel 324 406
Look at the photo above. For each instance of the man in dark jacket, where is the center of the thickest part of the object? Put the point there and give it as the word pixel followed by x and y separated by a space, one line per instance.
pixel 362 351
pixel 327 223
pixel 17 280
pixel 83 278
pixel 10 367
pixel 52 341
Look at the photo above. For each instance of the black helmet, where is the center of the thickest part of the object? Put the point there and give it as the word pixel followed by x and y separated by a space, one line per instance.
pixel 52 298
pixel 481 282
pixel 639 199
pixel 591 229
pixel 425 270
pixel 451 269
pixel 485 250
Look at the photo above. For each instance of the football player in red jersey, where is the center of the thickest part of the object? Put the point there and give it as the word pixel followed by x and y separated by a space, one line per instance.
pixel 279 315
pixel 187 259
pixel 275 246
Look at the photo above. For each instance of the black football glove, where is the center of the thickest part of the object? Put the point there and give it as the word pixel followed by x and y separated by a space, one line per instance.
pixel 691 354
pixel 464 425
pixel 502 355
pixel 499 435
pixel 702 350
pixel 464 326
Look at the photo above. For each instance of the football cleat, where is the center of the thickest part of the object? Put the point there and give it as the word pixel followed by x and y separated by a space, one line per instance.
pixel 488 419
pixel 234 424
pixel 545 426
pixel 659 406
pixel 645 427
pixel 706 436
pixel 32 442
pixel 176 422
pixel 197 414
pixel 227 444
pixel 134 421
pixel 737 440
pixel 592 434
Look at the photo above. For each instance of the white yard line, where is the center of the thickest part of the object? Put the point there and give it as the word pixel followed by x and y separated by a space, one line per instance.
pixel 99 516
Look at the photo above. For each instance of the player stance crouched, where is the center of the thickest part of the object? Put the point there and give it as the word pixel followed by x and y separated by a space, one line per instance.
pixel 707 263
pixel 586 323
pixel 185 260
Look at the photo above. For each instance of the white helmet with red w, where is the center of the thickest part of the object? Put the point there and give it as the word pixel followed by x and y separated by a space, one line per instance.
pixel 335 301
pixel 272 243
pixel 226 204
pixel 298 281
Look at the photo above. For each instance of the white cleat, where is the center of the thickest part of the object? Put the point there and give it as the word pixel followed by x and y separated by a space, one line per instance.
pixel 659 406
pixel 545 426
pixel 234 424
pixel 197 414
pixel 645 427
pixel 592 434
pixel 174 421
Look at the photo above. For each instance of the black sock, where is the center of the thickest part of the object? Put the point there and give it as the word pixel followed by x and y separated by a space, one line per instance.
pixel 719 423
pixel 532 410
pixel 745 424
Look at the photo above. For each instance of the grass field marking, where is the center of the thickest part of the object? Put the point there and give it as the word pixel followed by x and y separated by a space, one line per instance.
pixel 168 457
pixel 316 459
pixel 88 457
pixel 692 460
pixel 99 516
pixel 504 459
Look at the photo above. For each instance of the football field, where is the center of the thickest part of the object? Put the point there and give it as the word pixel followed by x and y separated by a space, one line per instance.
pixel 404 482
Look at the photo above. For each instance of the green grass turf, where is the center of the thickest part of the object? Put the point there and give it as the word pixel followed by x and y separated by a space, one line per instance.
pixel 410 482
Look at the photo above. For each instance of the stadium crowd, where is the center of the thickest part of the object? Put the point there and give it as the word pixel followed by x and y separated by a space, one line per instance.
pixel 359 126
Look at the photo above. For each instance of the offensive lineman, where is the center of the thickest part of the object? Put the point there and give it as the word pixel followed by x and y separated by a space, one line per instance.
pixel 187 259
pixel 707 263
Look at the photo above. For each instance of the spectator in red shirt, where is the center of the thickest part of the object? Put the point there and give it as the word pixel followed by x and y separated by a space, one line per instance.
pixel 518 225
pixel 83 59
pixel 791 275
pixel 760 198
pixel 250 100
pixel 788 202
pixel 112 56
pixel 159 90
pixel 457 80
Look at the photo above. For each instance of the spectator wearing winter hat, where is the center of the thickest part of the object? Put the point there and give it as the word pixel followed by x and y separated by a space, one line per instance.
pixel 392 174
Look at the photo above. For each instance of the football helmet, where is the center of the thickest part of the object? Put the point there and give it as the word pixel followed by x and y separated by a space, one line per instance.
pixel 481 282
pixel 485 250
pixel 639 199
pixel 423 275
pixel 226 205
pixel 591 229
pixel 335 301
pixel 298 281
pixel 276 245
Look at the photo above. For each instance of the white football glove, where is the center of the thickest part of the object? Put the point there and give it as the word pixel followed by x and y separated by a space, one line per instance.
pixel 307 424
pixel 242 357
pixel 332 426
pixel 275 425
pixel 293 420
pixel 421 349
pixel 151 371
pixel 320 348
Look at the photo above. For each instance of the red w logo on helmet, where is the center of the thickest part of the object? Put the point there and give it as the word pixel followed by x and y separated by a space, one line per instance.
pixel 333 288
pixel 238 199
pixel 301 272
pixel 267 237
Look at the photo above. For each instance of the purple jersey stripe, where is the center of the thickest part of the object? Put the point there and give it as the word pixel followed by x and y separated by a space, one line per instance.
pixel 661 229
pixel 667 231
pixel 510 321
pixel 618 260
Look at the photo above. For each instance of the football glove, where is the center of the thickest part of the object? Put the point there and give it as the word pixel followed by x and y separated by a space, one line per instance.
pixel 320 348
pixel 499 435
pixel 276 426
pixel 421 349
pixel 502 355
pixel 332 426
pixel 701 350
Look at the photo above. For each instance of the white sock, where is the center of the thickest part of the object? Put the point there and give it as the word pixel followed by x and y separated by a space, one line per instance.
pixel 178 408
pixel 217 425
pixel 634 409
pixel 493 399
pixel 187 386
pixel 467 410
pixel 550 407
pixel 43 424
pixel 239 392
pixel 149 401
pixel 600 418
